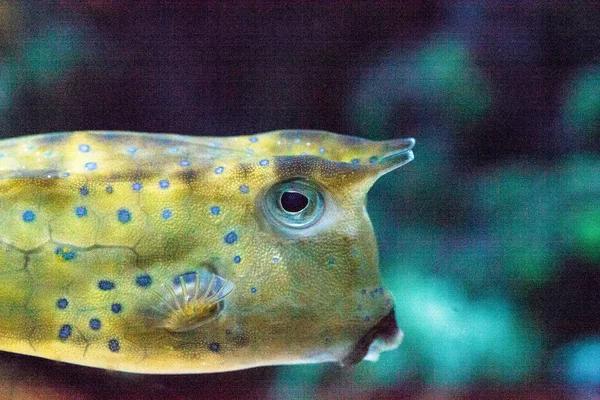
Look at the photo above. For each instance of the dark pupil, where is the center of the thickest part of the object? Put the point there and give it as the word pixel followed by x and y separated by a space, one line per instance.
pixel 293 201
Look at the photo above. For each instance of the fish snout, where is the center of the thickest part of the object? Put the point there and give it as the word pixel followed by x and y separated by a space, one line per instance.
pixel 384 336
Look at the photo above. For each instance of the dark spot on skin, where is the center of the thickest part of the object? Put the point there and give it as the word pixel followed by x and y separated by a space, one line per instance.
pixel 214 347
pixel 116 308
pixel 62 303
pixel 188 176
pixel 68 255
pixel 95 324
pixel 28 216
pixel 230 238
pixel 113 345
pixel 244 169
pixel 84 191
pixel 143 280
pixel 123 215
pixel 106 285
pixel 65 331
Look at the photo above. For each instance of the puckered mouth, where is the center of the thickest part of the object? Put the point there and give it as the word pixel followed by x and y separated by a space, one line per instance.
pixel 382 337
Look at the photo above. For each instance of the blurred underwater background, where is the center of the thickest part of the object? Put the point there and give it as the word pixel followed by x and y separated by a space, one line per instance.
pixel 489 239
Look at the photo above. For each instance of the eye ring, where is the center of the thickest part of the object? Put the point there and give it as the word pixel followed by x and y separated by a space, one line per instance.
pixel 296 203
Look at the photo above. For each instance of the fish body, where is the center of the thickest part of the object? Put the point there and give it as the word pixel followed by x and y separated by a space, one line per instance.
pixel 156 253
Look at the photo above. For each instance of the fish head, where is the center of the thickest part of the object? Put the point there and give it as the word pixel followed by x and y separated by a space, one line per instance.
pixel 314 283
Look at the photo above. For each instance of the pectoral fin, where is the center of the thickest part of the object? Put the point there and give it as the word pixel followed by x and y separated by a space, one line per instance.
pixel 188 301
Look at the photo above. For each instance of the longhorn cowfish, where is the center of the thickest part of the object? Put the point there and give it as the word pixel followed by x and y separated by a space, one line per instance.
pixel 160 253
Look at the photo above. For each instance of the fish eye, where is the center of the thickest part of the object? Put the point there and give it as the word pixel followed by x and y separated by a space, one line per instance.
pixel 296 204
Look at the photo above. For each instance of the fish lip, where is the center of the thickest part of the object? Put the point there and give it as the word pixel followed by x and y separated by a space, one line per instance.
pixel 385 332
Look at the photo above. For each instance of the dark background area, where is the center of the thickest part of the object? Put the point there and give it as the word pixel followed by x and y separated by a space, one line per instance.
pixel 489 240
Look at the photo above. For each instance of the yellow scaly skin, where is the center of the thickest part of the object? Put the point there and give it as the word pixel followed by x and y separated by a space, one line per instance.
pixel 97 228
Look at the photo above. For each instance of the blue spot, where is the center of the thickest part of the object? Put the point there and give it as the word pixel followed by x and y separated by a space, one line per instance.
pixel 364 291
pixel 109 189
pixel 166 214
pixel 367 318
pixel 228 331
pixel 321 150
pixel 28 216
pixel 81 211
pixel 65 175
pixel 355 161
pixel 237 259
pixel 174 150
pixel 62 303
pixel 1 155
pixel 65 331
pixel 143 280
pixel 116 308
pixel 184 163
pixel 253 140
pixel 253 290
pixel 137 186
pixel 90 166
pixel 331 261
pixel 68 255
pixel 84 148
pixel 373 160
pixel 219 170
pixel 131 150
pixel 275 259
pixel 230 238
pixel 84 191
pixel 113 345
pixel 214 347
pixel 106 285
pixel 163 184
pixel 124 215
pixel 95 324
pixel 244 189
pixel 48 153
pixel 215 210
pixel 263 163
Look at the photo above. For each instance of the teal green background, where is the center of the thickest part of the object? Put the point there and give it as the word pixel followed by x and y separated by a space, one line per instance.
pixel 489 239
